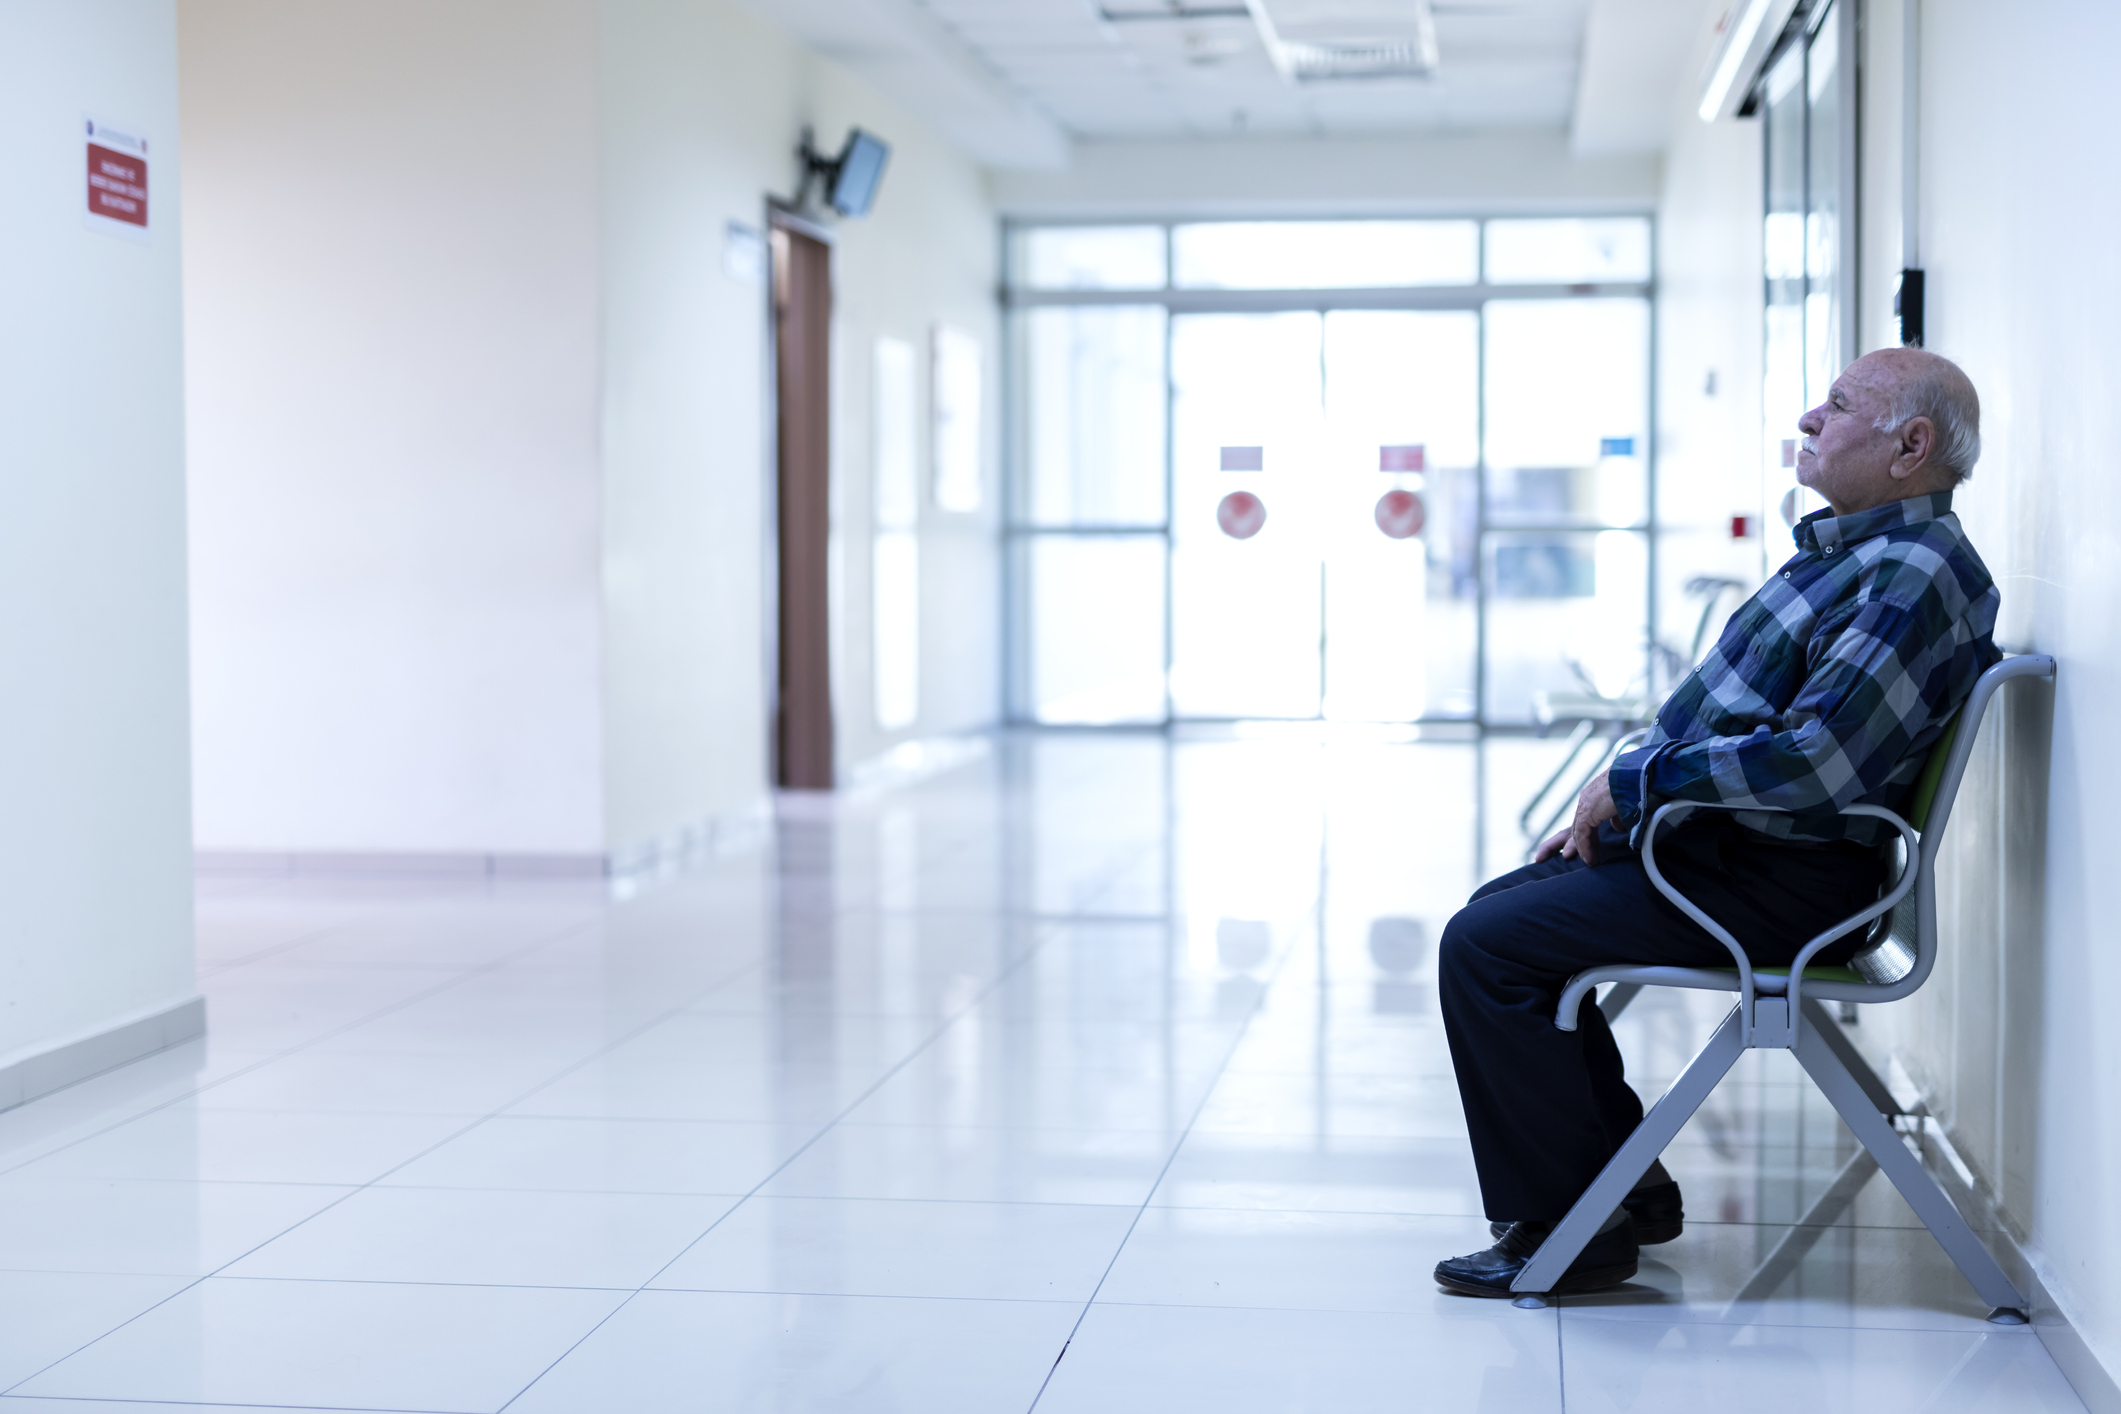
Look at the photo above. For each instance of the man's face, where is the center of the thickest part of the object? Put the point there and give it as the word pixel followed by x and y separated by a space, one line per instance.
pixel 1845 458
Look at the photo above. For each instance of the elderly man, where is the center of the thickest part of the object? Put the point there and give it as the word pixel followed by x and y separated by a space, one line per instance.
pixel 1827 689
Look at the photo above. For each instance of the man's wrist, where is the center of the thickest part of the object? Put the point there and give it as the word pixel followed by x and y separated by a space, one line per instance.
pixel 1624 783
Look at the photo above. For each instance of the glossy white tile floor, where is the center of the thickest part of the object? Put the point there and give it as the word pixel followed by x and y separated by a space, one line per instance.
pixel 1098 1074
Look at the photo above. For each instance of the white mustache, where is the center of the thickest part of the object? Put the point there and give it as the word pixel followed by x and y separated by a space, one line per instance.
pixel 1809 444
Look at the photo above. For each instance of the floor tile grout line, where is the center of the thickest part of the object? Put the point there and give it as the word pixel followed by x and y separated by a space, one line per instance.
pixel 214 969
pixel 1667 1317
pixel 371 913
pixel 1258 1005
pixel 627 1290
pixel 1561 1366
pixel 1007 972
pixel 198 1404
pixel 730 980
pixel 1974 1325
pixel 301 1046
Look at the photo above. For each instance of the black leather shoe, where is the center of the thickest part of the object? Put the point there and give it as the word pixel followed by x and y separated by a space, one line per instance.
pixel 1656 1212
pixel 1609 1260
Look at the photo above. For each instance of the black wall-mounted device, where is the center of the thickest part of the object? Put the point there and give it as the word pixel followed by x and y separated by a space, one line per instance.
pixel 851 178
pixel 1907 304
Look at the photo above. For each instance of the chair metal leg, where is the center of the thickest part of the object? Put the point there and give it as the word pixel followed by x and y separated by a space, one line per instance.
pixel 1821 1060
pixel 1616 999
pixel 1657 1130
pixel 1775 1268
pixel 1858 1068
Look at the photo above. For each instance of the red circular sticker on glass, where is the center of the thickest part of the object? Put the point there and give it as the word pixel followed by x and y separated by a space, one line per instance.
pixel 1399 514
pixel 1241 514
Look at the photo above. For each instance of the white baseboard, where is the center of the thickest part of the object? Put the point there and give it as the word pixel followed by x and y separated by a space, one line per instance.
pixel 358 864
pixel 2094 1383
pixel 39 1070
pixel 690 846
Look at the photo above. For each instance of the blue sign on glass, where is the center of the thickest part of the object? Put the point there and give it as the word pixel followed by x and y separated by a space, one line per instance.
pixel 1616 446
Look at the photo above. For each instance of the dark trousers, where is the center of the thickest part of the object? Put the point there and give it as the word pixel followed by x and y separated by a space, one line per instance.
pixel 1546 1108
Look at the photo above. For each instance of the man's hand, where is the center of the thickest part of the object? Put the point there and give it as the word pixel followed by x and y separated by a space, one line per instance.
pixel 1580 840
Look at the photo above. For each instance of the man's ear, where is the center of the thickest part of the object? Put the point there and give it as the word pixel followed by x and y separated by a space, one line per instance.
pixel 1918 438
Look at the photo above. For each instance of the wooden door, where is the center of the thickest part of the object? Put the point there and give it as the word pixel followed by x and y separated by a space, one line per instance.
pixel 802 301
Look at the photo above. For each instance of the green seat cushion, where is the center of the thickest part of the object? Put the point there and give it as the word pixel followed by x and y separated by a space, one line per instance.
pixel 1918 813
pixel 1817 972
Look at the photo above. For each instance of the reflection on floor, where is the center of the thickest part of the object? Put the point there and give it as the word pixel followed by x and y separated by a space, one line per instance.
pixel 1095 1074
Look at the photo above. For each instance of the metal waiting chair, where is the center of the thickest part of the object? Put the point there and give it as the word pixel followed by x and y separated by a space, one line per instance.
pixel 1779 1007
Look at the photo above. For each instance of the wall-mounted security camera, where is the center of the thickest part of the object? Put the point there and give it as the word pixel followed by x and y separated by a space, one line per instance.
pixel 850 180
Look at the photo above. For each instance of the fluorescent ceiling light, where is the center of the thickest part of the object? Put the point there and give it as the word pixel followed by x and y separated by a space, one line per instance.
pixel 1313 41
pixel 1746 30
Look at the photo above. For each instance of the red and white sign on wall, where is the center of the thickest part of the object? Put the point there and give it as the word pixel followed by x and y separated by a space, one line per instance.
pixel 1412 457
pixel 117 179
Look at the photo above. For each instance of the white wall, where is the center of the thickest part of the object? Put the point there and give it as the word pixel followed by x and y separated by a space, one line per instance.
pixel 95 851
pixel 704 105
pixel 391 287
pixel 479 420
pixel 1481 172
pixel 2021 192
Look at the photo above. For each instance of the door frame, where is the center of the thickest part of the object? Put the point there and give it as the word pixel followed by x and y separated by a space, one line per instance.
pixel 780 216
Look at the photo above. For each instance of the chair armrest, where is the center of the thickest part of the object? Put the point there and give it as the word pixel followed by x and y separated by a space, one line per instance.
pixel 1680 809
pixel 1677 811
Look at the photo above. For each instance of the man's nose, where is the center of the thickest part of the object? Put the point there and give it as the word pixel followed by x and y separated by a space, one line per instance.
pixel 1811 422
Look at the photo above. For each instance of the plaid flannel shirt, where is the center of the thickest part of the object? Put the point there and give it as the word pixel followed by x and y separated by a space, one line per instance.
pixel 1830 685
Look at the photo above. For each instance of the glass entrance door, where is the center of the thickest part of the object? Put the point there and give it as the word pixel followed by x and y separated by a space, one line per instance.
pixel 1246 421
pixel 1331 606
pixel 1367 471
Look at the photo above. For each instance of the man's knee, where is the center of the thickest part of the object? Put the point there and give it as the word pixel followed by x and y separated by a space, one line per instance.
pixel 1493 941
pixel 1458 951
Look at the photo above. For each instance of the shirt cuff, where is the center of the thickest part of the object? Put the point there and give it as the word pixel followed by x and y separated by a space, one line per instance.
pixel 1629 782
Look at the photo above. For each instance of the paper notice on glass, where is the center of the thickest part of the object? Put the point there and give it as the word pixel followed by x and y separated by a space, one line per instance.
pixel 955 395
pixel 894 428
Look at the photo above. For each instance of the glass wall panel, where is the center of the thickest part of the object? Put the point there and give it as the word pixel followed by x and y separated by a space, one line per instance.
pixel 1318 255
pixel 1245 612
pixel 1566 615
pixel 895 609
pixel 1402 414
pixel 1822 219
pixel 1091 415
pixel 1091 258
pixel 1094 620
pixel 1782 386
pixel 1224 514
pixel 1568 251
pixel 1568 412
pixel 1805 96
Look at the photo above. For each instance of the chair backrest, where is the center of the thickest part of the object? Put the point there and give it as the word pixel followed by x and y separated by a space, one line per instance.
pixel 1902 955
pixel 1918 811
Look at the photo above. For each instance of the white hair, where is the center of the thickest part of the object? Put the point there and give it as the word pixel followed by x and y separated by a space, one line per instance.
pixel 1939 390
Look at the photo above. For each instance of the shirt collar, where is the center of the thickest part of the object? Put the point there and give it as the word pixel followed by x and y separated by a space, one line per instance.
pixel 1823 532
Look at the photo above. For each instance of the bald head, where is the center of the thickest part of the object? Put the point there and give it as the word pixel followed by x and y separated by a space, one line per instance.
pixel 1923 384
pixel 1897 423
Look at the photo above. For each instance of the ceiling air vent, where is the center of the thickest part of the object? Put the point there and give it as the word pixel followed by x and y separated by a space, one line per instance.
pixel 1321 41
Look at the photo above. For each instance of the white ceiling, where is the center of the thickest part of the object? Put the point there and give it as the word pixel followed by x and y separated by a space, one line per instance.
pixel 1014 82
pixel 1502 63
